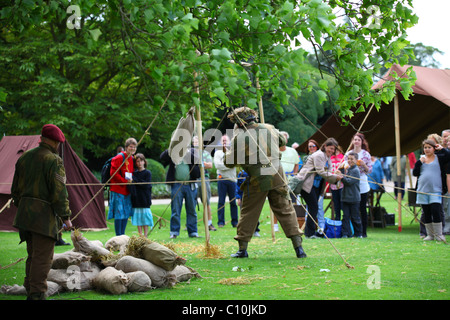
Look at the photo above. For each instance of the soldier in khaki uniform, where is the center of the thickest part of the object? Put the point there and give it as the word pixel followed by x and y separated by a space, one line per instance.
pixel 255 148
pixel 39 191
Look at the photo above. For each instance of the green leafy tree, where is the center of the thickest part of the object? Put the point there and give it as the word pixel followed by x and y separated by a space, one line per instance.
pixel 302 116
pixel 107 79
pixel 422 56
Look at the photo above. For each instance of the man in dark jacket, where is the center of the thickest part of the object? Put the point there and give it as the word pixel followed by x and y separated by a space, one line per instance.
pixel 39 191
pixel 182 178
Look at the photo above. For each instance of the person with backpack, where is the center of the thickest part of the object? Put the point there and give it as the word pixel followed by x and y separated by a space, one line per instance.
pixel 182 179
pixel 120 208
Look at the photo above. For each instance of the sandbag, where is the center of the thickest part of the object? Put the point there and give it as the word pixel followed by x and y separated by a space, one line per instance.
pixel 184 273
pixel 88 266
pixel 52 289
pixel 185 125
pixel 111 280
pixel 83 245
pixel 138 281
pixel 72 278
pixel 14 290
pixel 160 278
pixel 117 243
pixel 68 258
pixel 110 260
pixel 97 243
pixel 161 256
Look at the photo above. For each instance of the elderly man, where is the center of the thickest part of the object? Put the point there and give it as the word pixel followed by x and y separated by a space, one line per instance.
pixel 39 191
pixel 255 147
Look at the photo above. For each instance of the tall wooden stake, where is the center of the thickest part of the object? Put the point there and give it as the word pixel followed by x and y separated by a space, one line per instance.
pixel 261 117
pixel 198 118
pixel 398 151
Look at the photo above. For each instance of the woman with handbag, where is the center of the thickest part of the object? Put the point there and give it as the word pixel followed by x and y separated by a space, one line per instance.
pixel 317 164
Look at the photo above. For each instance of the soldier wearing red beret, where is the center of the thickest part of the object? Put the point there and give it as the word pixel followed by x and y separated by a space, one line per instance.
pixel 39 191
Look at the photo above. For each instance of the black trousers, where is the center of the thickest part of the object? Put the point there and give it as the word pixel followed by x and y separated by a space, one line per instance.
pixel 363 212
pixel 311 200
pixel 351 214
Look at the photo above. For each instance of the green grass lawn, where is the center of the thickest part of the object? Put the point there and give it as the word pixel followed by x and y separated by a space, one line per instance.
pixel 407 267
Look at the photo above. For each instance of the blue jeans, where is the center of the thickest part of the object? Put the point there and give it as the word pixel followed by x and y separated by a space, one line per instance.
pixel 336 194
pixel 225 187
pixel 120 225
pixel 188 192
pixel 320 213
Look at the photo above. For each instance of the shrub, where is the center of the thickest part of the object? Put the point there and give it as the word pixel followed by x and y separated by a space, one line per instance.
pixel 157 170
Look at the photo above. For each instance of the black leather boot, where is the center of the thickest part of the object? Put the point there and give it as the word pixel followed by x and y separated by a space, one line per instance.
pixel 240 254
pixel 61 242
pixel 36 296
pixel 300 253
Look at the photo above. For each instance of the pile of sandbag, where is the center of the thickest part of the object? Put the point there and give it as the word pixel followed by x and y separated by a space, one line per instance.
pixel 123 265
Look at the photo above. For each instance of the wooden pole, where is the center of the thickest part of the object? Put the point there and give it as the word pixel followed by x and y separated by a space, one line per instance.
pixel 398 154
pixel 198 118
pixel 261 117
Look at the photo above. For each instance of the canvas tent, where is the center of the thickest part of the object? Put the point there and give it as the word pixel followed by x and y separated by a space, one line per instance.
pixel 427 111
pixel 91 218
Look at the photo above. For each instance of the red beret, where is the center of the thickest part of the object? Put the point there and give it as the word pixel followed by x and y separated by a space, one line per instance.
pixel 53 132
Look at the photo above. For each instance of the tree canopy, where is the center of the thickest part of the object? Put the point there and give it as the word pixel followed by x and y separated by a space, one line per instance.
pixel 101 70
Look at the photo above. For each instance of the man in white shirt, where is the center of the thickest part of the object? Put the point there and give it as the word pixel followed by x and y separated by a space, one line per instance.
pixel 289 158
pixel 226 185
pixel 289 162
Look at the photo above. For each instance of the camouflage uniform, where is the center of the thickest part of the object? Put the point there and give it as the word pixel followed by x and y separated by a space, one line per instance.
pixel 255 148
pixel 39 191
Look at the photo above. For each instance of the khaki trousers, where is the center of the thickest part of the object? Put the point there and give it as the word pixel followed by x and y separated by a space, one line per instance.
pixel 252 204
pixel 40 251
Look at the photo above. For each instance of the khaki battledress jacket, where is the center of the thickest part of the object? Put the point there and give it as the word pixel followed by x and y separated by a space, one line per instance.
pixel 256 150
pixel 39 191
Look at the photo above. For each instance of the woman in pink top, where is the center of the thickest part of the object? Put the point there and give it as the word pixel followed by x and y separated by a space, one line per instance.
pixel 336 161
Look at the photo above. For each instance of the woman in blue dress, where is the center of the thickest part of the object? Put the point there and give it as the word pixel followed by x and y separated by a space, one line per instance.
pixel 141 196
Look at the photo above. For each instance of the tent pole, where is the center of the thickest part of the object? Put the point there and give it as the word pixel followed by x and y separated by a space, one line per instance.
pixel 198 118
pixel 398 151
pixel 261 117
